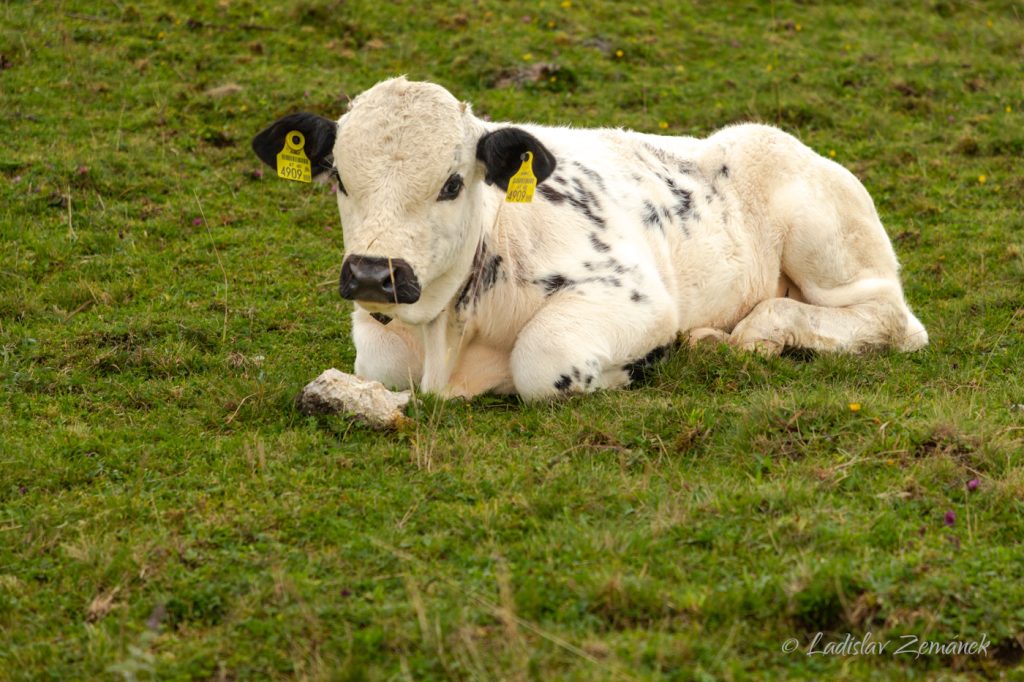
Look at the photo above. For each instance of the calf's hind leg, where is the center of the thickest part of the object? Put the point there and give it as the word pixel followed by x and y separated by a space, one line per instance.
pixel 838 254
pixel 779 323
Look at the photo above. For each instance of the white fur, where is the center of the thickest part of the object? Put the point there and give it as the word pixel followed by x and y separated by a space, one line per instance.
pixel 781 248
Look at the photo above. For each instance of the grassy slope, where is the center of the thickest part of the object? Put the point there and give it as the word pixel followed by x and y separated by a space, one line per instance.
pixel 163 507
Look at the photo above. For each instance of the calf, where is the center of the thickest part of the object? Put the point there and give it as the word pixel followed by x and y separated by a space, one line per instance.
pixel 747 237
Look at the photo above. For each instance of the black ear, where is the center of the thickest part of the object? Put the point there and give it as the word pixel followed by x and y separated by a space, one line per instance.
pixel 318 131
pixel 502 153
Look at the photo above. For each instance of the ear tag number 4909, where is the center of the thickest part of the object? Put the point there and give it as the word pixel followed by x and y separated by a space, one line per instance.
pixel 292 162
pixel 523 183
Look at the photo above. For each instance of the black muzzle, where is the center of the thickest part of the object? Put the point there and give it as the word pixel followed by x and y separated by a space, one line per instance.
pixel 378 280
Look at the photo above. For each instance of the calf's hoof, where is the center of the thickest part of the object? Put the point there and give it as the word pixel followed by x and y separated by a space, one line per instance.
pixel 762 347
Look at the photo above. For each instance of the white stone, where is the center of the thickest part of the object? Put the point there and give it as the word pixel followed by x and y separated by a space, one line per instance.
pixel 335 392
pixel 225 90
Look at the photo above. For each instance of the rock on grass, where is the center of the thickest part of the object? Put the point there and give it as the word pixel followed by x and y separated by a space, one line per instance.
pixel 335 392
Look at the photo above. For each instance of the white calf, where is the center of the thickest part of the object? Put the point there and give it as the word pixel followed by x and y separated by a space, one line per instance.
pixel 747 237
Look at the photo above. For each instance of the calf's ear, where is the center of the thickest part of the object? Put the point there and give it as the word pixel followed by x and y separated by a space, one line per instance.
pixel 502 150
pixel 319 146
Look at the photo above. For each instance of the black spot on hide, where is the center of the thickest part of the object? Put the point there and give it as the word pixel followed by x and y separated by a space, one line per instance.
pixel 651 217
pixel 592 174
pixel 554 283
pixel 683 198
pixel 687 167
pixel 639 369
pixel 482 278
pixel 599 245
pixel 584 201
pixel 551 194
pixel 489 274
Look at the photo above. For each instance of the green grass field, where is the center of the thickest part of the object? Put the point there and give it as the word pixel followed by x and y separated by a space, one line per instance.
pixel 165 513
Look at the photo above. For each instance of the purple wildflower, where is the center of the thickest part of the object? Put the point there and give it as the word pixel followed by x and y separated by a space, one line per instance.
pixel 972 484
pixel 197 221
pixel 950 518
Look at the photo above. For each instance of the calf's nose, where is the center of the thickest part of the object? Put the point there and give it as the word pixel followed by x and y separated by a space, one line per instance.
pixel 378 280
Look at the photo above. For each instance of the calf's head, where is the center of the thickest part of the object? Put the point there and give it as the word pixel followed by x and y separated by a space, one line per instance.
pixel 412 165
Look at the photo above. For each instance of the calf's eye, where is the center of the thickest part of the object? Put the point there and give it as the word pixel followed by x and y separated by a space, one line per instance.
pixel 451 188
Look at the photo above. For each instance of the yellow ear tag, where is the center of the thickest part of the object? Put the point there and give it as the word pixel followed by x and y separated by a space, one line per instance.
pixel 292 162
pixel 522 184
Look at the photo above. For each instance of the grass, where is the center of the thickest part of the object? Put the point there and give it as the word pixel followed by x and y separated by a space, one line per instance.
pixel 165 512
